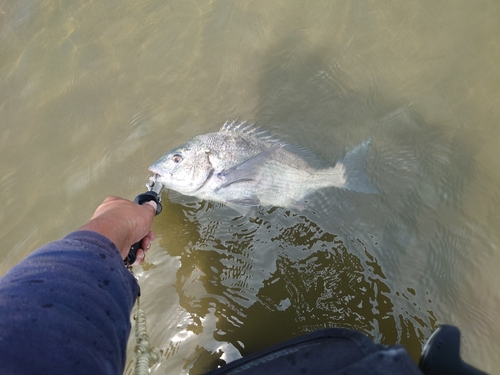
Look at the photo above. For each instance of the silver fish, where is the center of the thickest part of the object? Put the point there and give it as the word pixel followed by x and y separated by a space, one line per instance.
pixel 245 166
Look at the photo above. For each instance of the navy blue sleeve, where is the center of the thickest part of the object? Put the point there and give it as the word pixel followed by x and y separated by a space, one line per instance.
pixel 65 309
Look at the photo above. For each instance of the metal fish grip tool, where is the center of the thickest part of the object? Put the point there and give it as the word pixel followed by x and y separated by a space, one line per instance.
pixel 145 355
pixel 153 194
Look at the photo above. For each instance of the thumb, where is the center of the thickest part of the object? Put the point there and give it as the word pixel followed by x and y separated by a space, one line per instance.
pixel 152 204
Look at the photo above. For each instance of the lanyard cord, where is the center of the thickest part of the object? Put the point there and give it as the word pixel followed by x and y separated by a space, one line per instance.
pixel 145 355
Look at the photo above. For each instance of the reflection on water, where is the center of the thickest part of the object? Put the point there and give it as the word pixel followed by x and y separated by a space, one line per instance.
pixel 282 270
pixel 91 93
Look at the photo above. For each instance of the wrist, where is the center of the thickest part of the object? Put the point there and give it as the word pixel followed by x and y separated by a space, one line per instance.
pixel 108 229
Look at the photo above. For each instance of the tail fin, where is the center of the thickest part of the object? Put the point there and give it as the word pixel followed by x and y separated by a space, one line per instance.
pixel 354 163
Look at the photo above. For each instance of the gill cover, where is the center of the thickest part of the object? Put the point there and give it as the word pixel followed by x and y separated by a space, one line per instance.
pixel 185 169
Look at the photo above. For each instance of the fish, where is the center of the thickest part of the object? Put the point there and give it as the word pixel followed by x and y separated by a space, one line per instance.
pixel 244 165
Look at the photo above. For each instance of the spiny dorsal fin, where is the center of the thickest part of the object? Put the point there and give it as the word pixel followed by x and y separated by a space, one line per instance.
pixel 244 127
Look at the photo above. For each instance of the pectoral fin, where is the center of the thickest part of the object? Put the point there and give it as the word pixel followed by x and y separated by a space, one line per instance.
pixel 250 201
pixel 247 170
pixel 246 211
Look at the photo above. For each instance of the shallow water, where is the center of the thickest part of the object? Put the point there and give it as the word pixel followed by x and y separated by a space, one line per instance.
pixel 92 93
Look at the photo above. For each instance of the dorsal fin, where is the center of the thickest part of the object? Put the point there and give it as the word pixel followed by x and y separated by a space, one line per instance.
pixel 244 127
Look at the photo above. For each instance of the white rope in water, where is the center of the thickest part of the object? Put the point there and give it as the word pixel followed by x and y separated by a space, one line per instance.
pixel 145 355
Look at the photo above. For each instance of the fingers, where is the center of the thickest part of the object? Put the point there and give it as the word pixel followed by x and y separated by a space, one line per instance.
pixel 145 244
pixel 146 241
pixel 139 257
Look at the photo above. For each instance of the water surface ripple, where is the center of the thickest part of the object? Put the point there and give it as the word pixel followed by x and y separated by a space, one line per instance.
pixel 92 93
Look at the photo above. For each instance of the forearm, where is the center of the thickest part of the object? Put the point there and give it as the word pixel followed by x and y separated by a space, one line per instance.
pixel 66 308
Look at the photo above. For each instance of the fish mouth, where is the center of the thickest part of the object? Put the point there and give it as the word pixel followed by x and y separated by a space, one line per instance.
pixel 154 177
pixel 157 173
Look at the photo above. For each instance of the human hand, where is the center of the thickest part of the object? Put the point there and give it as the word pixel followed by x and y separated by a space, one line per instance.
pixel 124 222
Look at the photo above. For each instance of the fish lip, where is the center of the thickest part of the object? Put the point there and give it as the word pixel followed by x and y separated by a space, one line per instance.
pixel 154 177
pixel 156 171
pixel 157 174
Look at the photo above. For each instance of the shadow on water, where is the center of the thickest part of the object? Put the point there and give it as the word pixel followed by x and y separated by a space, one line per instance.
pixel 367 262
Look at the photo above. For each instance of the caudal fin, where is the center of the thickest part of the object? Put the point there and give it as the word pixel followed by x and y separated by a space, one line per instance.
pixel 354 163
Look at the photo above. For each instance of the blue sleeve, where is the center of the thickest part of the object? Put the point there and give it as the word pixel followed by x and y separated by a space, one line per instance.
pixel 65 309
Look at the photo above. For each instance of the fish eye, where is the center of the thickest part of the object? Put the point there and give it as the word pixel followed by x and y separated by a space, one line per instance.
pixel 177 158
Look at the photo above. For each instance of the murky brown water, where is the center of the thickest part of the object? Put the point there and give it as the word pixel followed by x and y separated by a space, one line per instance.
pixel 91 93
